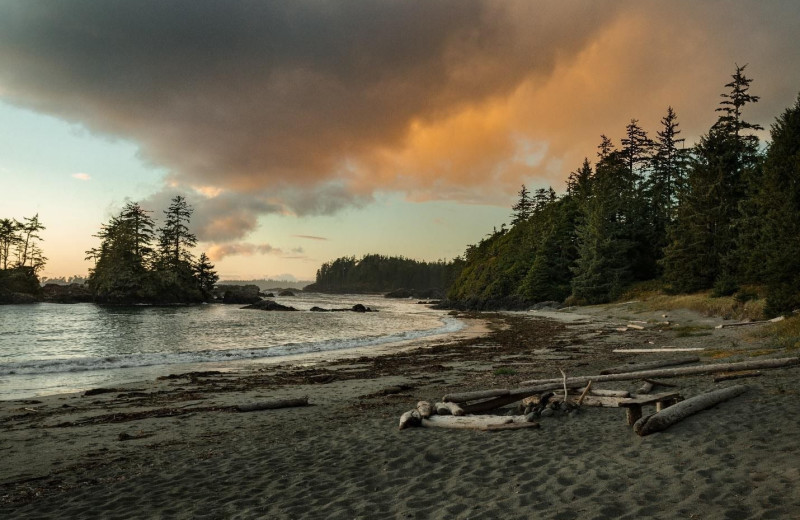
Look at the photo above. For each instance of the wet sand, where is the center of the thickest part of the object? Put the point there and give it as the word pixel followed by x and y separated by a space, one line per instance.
pixel 176 447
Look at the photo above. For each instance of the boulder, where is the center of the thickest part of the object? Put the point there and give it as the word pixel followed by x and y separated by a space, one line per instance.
pixel 269 305
pixel 319 309
pixel 286 292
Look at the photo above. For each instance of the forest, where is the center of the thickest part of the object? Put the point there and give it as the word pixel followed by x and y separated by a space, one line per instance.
pixel 378 273
pixel 21 259
pixel 722 215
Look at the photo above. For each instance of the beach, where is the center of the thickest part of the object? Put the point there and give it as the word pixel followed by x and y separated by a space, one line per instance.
pixel 177 448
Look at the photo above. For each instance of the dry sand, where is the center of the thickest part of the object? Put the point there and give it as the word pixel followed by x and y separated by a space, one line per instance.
pixel 174 448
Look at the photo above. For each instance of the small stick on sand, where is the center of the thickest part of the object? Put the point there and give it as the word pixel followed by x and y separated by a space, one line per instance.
pixel 564 375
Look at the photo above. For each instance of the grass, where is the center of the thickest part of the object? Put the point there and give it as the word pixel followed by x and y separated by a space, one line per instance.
pixel 747 304
pixel 782 335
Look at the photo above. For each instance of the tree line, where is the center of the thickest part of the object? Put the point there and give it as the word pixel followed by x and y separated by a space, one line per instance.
pixel 720 215
pixel 139 262
pixel 21 258
pixel 378 273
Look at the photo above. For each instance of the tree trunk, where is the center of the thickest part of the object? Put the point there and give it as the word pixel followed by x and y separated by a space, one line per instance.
pixel 662 420
pixel 473 396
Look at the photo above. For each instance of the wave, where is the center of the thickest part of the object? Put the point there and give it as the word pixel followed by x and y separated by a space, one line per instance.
pixel 82 364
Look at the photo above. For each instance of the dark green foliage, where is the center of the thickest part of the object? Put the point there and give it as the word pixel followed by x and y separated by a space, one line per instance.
pixel 709 221
pixel 378 273
pixel 128 270
pixel 778 206
pixel 19 285
pixel 19 243
pixel 523 208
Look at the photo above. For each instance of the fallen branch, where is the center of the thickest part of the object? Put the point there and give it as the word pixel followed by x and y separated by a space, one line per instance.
pixel 662 420
pixel 736 375
pixel 273 404
pixel 564 376
pixel 650 365
pixel 583 394
pixel 409 419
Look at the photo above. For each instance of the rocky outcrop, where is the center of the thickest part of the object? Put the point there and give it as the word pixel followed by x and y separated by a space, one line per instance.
pixel 427 294
pixel 238 293
pixel 355 308
pixel 72 293
pixel 269 305
pixel 286 292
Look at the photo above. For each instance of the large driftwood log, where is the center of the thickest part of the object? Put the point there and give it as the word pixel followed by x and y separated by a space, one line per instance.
pixel 425 409
pixel 473 396
pixel 409 419
pixel 472 422
pixel 273 404
pixel 448 408
pixel 651 365
pixel 668 416
pixel 725 376
pixel 668 372
pixel 609 393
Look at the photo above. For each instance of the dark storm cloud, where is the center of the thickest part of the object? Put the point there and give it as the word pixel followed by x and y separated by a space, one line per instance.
pixel 307 107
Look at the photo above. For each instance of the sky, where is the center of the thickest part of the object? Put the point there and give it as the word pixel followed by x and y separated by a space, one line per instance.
pixel 307 130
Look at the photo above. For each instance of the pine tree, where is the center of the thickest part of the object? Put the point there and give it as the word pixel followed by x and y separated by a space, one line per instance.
pixel 523 207
pixel 778 203
pixel 205 274
pixel 703 240
pixel 175 240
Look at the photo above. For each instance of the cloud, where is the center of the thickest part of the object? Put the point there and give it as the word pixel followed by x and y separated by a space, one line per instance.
pixel 81 176
pixel 309 237
pixel 309 107
pixel 220 251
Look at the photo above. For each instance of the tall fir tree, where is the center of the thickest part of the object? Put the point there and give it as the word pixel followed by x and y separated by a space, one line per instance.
pixel 703 240
pixel 523 208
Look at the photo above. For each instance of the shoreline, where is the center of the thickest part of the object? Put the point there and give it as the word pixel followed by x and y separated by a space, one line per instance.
pixel 184 454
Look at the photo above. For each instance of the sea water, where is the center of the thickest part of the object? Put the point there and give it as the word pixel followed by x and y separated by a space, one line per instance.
pixel 54 348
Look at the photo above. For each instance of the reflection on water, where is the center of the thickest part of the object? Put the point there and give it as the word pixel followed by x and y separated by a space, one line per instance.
pixel 46 348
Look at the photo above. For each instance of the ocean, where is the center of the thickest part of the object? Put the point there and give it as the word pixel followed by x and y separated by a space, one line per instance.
pixel 54 348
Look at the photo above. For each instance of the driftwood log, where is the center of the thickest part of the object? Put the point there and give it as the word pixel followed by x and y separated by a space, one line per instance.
pixel 651 365
pixel 472 422
pixel 669 372
pixel 272 404
pixel 409 419
pixel 662 420
pixel 725 376
pixel 473 396
pixel 448 408
pixel 425 409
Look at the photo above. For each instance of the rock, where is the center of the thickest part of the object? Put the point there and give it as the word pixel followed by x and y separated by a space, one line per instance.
pixel 531 417
pixel 319 309
pixel 547 412
pixel 286 292
pixel 238 293
pixel 268 305
pixel 267 295
pixel 546 305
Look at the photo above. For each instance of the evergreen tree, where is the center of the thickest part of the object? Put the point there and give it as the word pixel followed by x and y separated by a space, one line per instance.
pixel 205 274
pixel 702 250
pixel 175 240
pixel 778 202
pixel 8 239
pixel 523 207
pixel 28 234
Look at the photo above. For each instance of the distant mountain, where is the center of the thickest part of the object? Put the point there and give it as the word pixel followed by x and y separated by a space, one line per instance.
pixel 265 284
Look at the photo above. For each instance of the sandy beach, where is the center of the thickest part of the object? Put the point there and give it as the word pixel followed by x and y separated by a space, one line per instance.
pixel 177 448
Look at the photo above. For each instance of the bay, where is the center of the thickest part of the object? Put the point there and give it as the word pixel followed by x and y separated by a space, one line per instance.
pixel 52 348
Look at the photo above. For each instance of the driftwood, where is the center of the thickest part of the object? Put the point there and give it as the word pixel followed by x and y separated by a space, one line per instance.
pixel 634 405
pixel 409 419
pixel 273 404
pixel 667 372
pixel 448 408
pixel 650 366
pixel 646 388
pixel 726 376
pixel 473 396
pixel 662 420
pixel 425 409
pixel 583 394
pixel 610 393
pixel 663 350
pixel 472 422
pixel 634 326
